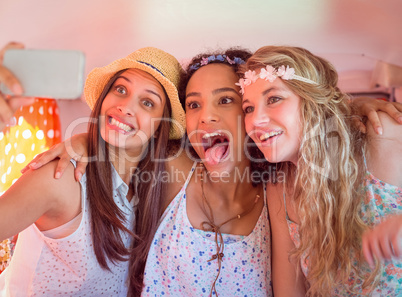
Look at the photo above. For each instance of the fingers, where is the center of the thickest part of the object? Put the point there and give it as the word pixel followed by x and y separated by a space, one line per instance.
pixel 359 124
pixel 394 110
pixel 80 169
pixel 46 157
pixel 373 118
pixel 383 241
pixel 62 165
pixel 57 151
pixel 367 251
pixel 375 247
pixel 369 107
pixel 11 82
pixel 65 151
pixel 8 107
pixel 10 45
pixel 6 114
pixel 396 240
pixel 375 250
pixel 16 102
pixel 386 251
pixel 396 247
pixel 31 165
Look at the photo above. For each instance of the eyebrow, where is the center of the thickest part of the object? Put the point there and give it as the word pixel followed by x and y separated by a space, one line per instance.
pixel 265 92
pixel 214 92
pixel 147 90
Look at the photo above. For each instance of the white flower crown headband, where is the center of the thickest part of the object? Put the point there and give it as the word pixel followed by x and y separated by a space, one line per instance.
pixel 270 73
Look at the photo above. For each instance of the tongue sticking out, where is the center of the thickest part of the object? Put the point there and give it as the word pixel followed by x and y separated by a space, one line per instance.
pixel 215 154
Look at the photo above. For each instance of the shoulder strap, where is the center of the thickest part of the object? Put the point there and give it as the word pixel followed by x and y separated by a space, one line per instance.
pixel 190 175
pixel 284 202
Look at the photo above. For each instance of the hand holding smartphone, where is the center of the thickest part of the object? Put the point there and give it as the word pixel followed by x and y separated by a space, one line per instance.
pixel 57 74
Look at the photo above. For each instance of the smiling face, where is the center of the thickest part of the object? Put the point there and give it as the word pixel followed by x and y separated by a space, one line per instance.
pixel 214 116
pixel 132 110
pixel 272 119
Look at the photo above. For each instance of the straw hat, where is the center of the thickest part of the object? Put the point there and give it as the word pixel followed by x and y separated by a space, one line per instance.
pixel 161 65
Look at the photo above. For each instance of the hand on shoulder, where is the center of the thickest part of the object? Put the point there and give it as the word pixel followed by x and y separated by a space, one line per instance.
pixel 384 151
pixel 391 129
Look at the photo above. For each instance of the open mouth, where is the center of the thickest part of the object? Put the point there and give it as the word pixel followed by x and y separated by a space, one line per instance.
pixel 126 128
pixel 269 135
pixel 216 147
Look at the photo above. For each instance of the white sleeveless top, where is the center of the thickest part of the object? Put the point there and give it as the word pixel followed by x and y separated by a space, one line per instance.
pixel 43 266
pixel 177 263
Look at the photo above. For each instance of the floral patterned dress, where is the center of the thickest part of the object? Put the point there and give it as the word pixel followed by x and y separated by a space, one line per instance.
pixel 37 129
pixel 381 200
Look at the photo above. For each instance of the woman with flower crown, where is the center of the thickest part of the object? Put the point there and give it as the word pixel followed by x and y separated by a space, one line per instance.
pixel 341 201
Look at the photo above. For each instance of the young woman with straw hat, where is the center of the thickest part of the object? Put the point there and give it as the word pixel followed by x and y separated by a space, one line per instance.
pixel 75 237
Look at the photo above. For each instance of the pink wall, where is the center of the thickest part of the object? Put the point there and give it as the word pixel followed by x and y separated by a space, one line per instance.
pixel 352 34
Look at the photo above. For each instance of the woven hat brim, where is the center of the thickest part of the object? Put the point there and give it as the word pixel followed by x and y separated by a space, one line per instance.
pixel 99 77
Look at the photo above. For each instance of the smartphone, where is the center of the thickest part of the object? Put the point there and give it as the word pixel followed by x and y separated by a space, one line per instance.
pixel 57 74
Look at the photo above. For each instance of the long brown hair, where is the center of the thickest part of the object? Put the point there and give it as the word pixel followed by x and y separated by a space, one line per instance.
pixel 149 209
pixel 107 219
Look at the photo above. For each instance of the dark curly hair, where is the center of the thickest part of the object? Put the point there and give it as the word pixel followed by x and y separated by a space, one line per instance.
pixel 258 162
pixel 231 53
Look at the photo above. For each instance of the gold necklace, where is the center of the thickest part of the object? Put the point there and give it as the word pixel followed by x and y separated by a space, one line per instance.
pixel 211 226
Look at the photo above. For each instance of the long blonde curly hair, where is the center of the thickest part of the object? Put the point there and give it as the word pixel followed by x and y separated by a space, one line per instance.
pixel 329 172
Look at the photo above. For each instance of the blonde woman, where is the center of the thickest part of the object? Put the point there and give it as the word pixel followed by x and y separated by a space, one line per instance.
pixel 338 183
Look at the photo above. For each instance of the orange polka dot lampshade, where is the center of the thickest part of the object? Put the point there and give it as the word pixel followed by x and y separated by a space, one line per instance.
pixel 37 129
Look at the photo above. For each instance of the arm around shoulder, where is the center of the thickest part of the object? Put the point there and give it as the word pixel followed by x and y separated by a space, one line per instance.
pixel 384 151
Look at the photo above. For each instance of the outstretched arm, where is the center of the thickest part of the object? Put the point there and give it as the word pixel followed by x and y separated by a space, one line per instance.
pixel 370 107
pixel 75 148
pixel 384 158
